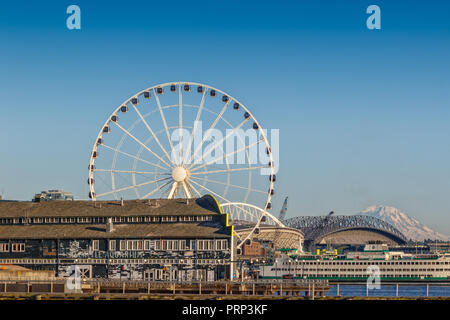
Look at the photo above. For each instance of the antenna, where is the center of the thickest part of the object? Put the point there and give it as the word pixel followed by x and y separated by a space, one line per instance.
pixel 283 210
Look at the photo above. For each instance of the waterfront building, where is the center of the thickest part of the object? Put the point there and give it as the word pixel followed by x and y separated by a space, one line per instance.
pixel 158 239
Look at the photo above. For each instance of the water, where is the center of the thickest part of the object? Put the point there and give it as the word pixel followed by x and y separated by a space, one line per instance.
pixel 390 291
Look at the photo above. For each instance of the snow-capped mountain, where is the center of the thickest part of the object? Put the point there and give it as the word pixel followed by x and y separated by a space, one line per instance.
pixel 410 227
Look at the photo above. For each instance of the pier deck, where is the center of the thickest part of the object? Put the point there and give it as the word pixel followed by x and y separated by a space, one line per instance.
pixel 117 288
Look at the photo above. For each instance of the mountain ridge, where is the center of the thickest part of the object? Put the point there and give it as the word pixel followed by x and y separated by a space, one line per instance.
pixel 407 225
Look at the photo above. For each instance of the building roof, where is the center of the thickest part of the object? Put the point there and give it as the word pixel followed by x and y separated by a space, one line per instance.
pixel 205 205
pixel 130 231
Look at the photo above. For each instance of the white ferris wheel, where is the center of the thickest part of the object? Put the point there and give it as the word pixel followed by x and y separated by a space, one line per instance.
pixel 182 140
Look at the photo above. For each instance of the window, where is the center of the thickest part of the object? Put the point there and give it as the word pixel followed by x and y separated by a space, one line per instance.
pixel 221 244
pixel 204 218
pixel 134 245
pixel 205 245
pixel 168 219
pixel 148 245
pixel 112 245
pixel 123 245
pixel 18 247
pixel 95 245
pixel 4 247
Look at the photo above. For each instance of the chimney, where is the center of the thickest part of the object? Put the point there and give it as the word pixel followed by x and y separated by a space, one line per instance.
pixel 109 225
pixel 121 201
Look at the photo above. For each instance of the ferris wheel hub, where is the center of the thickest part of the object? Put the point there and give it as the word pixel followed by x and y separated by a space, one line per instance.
pixel 179 174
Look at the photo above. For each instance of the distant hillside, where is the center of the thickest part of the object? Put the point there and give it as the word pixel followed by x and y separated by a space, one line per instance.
pixel 410 227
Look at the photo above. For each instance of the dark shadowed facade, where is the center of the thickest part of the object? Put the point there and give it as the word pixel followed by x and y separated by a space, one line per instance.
pixel 158 239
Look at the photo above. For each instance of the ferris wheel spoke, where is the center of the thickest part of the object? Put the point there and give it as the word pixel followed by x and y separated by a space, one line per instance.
pixel 155 190
pixel 208 132
pixel 158 102
pixel 131 171
pixel 141 143
pixel 186 190
pixel 228 184
pixel 225 156
pixel 195 190
pixel 180 120
pixel 197 118
pixel 227 170
pixel 164 192
pixel 152 133
pixel 218 143
pixel 132 156
pixel 205 188
pixel 130 187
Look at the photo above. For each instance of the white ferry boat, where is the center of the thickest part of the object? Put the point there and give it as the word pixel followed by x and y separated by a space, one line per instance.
pixel 356 266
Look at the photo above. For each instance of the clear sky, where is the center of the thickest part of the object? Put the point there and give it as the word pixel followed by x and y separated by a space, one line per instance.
pixel 363 114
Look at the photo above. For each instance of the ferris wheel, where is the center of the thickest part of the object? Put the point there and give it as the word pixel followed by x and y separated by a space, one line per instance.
pixel 182 140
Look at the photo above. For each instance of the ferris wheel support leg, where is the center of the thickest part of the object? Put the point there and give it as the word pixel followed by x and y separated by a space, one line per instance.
pixel 186 190
pixel 172 191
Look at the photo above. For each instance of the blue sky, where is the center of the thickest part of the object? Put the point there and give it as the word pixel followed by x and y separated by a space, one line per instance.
pixel 363 114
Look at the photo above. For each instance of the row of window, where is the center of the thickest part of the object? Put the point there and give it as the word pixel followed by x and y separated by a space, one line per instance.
pixel 161 274
pixel 13 247
pixel 39 220
pixel 119 261
pixel 168 261
pixel 140 245
pixel 164 245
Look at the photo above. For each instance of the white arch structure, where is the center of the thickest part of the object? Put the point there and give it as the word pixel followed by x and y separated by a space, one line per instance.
pixel 240 213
